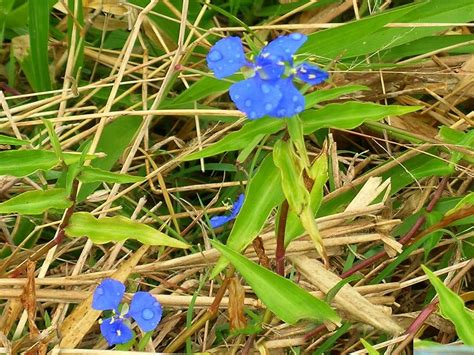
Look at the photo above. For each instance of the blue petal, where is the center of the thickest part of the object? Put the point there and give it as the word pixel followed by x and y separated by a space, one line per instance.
pixel 255 97
pixel 218 221
pixel 283 48
pixel 269 69
pixel 292 101
pixel 311 74
pixel 145 310
pixel 226 57
pixel 107 295
pixel 237 206
pixel 115 331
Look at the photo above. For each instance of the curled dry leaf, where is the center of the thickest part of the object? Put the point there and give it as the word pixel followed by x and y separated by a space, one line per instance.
pixel 236 304
pixel 347 299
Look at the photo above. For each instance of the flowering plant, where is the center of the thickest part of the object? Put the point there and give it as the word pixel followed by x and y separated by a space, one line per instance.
pixel 144 309
pixel 270 89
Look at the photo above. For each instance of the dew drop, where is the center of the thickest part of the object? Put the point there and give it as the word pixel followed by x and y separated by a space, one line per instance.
pixel 214 56
pixel 287 50
pixel 157 304
pixel 248 103
pixel 295 98
pixel 230 61
pixel 268 107
pixel 265 88
pixel 281 112
pixel 299 108
pixel 99 290
pixel 296 36
pixel 237 97
pixel 147 314
pixel 253 114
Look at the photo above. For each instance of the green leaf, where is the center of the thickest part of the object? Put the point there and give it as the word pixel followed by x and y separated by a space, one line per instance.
pixel 349 115
pixel 331 94
pixel 295 191
pixel 38 25
pixel 333 291
pixel 36 202
pixel 452 308
pixel 368 35
pixel 21 163
pixel 117 229
pixel 53 138
pixel 460 139
pixel 11 141
pixel 124 127
pixel 91 174
pixel 262 196
pixel 319 171
pixel 241 138
pixel 370 349
pixel 202 88
pixel 284 298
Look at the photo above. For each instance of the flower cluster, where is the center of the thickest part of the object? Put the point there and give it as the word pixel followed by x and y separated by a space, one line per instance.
pixel 144 309
pixel 218 221
pixel 270 89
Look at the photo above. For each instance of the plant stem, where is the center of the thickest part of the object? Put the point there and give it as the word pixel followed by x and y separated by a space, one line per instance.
pixel 210 314
pixel 280 243
pixel 407 237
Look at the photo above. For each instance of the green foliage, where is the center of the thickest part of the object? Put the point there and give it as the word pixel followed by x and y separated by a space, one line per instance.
pixel 38 24
pixel 370 349
pixel 11 141
pixel 36 202
pixel 21 163
pixel 117 229
pixel 452 308
pixel 90 174
pixel 284 298
pixel 262 196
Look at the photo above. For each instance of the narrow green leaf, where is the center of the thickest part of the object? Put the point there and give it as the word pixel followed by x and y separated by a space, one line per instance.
pixel 124 127
pixel 262 196
pixel 21 163
pixel 117 229
pixel 295 191
pixel 241 138
pixel 452 308
pixel 36 202
pixel 331 94
pixel 349 115
pixel 319 172
pixel 284 298
pixel 11 141
pixel 38 25
pixel 202 88
pixel 370 349
pixel 91 174
pixel 333 291
pixel 53 138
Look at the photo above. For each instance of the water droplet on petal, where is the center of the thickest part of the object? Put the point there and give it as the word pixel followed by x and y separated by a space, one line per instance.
pixel 268 107
pixel 253 114
pixel 147 314
pixel 248 103
pixel 214 56
pixel 237 97
pixel 287 50
pixel 265 88
pixel 296 36
pixel 295 98
pixel 99 290
pixel 157 304
pixel 231 61
pixel 299 108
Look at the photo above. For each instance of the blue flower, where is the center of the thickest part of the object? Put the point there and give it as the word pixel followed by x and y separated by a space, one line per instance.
pixel 218 221
pixel 270 89
pixel 144 309
pixel 115 331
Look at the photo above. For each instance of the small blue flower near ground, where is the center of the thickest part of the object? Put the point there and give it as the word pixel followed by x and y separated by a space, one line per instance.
pixel 270 89
pixel 144 309
pixel 218 221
